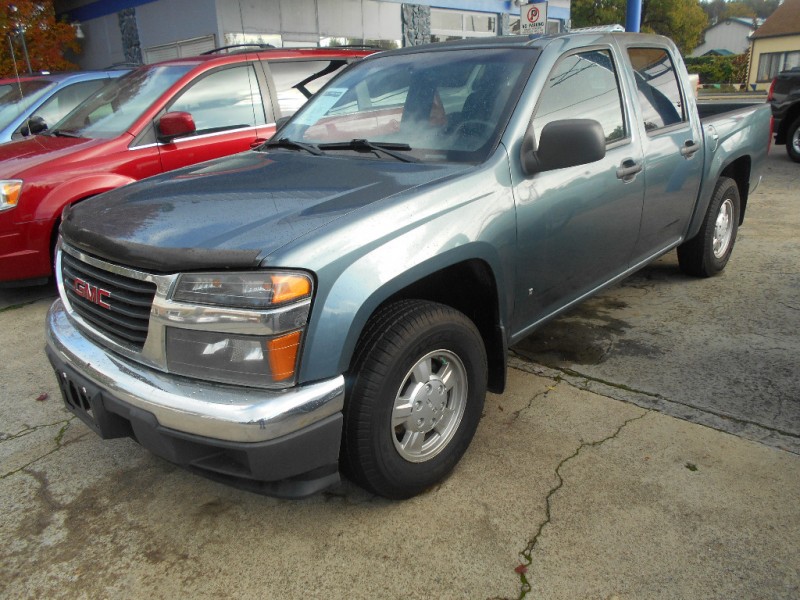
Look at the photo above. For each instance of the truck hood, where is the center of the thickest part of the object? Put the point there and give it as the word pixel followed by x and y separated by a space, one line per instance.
pixel 233 212
pixel 18 157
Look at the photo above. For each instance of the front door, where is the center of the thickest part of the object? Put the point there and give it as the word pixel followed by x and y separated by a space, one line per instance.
pixel 577 227
pixel 228 111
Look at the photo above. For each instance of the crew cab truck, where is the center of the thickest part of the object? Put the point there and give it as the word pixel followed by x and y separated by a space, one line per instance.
pixel 343 297
pixel 157 118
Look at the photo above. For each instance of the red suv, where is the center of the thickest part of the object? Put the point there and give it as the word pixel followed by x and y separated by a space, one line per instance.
pixel 157 118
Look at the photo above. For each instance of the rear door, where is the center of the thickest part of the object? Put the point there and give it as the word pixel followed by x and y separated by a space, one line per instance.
pixel 577 226
pixel 229 112
pixel 672 149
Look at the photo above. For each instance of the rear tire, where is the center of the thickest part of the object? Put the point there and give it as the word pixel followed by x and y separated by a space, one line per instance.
pixel 793 140
pixel 415 396
pixel 707 253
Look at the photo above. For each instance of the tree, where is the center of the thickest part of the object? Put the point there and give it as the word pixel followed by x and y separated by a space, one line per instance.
pixel 718 10
pixel 45 37
pixel 681 20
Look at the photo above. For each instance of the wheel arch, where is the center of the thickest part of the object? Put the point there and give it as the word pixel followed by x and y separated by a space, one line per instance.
pixel 739 170
pixel 76 190
pixel 72 192
pixel 460 278
pixel 470 288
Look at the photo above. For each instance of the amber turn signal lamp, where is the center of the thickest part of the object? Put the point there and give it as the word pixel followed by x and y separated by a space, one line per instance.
pixel 283 355
pixel 289 287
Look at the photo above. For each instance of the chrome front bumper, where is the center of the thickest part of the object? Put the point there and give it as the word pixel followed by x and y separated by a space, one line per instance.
pixel 216 411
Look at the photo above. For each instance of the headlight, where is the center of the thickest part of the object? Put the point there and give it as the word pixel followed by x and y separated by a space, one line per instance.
pixel 216 343
pixel 10 190
pixel 243 290
pixel 232 358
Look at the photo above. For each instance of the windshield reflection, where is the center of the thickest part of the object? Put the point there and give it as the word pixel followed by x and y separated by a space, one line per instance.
pixel 445 106
pixel 113 109
pixel 12 104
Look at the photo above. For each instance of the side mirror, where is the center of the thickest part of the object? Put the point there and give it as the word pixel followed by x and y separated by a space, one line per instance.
pixel 33 126
pixel 175 124
pixel 564 143
pixel 280 123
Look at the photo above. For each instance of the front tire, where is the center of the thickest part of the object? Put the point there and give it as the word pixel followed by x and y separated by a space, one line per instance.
pixel 708 252
pixel 415 397
pixel 793 140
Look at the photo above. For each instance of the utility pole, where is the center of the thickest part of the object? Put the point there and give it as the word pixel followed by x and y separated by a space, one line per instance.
pixel 633 16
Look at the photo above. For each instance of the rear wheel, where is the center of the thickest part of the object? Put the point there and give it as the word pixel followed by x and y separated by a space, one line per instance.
pixel 793 140
pixel 415 397
pixel 707 253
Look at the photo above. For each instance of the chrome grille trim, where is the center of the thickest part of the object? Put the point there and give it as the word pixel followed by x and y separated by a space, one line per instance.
pixel 125 315
pixel 162 312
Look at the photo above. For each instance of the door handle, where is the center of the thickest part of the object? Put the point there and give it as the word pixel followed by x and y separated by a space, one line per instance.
pixel 689 148
pixel 628 169
pixel 257 142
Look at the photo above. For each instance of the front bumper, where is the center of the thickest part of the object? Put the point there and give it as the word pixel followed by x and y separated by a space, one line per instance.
pixel 283 443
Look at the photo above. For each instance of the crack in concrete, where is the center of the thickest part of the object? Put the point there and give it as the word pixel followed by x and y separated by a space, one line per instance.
pixel 17 306
pixel 572 377
pixel 527 553
pixel 516 414
pixel 5 437
pixel 58 439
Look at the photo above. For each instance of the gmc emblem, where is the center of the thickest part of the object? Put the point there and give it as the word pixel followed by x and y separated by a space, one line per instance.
pixel 92 293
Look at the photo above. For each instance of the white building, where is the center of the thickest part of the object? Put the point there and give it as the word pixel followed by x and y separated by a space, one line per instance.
pixel 134 31
pixel 728 36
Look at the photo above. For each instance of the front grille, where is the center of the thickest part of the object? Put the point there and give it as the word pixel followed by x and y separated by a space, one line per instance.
pixel 116 305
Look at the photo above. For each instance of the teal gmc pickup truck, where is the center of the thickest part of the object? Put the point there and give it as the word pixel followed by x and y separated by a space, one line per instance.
pixel 341 298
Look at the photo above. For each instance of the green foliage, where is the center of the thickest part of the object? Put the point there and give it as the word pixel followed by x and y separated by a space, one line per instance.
pixel 717 10
pixel 681 20
pixel 718 69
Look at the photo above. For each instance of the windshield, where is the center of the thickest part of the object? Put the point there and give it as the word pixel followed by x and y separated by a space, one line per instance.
pixel 112 110
pixel 12 104
pixel 439 106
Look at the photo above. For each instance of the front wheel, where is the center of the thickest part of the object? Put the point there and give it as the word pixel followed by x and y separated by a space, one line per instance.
pixel 793 140
pixel 415 397
pixel 707 253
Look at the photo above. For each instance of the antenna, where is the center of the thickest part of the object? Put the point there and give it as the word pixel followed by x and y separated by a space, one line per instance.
pixel 14 62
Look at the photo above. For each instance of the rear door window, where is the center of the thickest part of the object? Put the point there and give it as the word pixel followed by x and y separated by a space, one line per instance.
pixel 658 89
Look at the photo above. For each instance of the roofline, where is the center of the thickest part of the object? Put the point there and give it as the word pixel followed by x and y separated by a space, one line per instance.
pixel 264 54
pixel 753 36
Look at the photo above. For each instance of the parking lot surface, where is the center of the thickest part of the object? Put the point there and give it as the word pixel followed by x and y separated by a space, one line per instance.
pixel 580 483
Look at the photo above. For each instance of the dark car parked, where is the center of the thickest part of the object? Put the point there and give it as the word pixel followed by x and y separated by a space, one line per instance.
pixel 784 96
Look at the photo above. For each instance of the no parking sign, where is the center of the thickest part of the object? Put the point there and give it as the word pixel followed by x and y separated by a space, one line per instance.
pixel 533 18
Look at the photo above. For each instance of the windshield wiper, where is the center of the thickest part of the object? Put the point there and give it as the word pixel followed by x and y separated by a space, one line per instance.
pixel 362 144
pixel 62 133
pixel 287 143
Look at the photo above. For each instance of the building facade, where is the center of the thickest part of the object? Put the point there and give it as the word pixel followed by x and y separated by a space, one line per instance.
pixel 732 35
pixel 146 31
pixel 775 46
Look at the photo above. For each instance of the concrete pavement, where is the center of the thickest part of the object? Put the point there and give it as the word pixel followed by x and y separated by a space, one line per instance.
pixel 564 493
